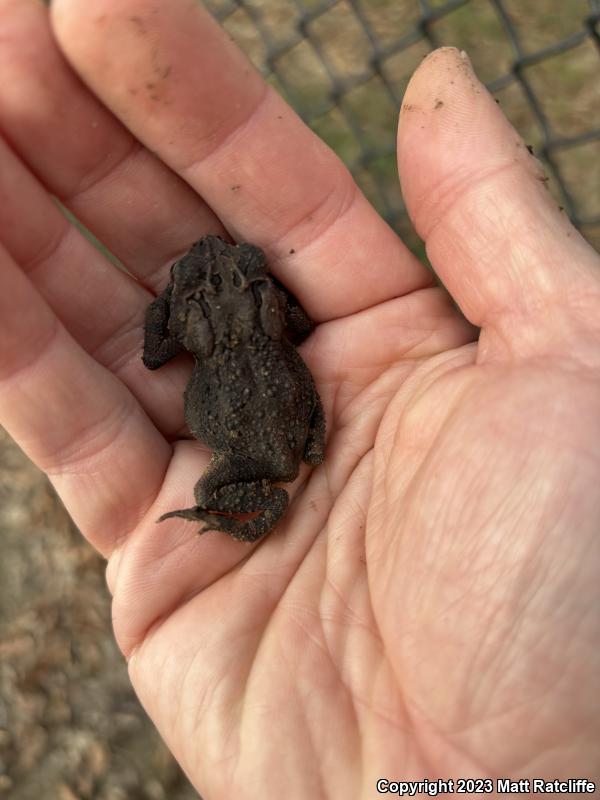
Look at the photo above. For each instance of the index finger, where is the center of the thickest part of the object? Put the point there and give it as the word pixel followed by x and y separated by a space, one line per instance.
pixel 185 90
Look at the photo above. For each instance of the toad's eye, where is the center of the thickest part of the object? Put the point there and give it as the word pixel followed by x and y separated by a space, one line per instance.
pixel 216 280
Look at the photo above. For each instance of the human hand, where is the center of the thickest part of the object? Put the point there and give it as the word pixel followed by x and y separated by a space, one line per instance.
pixel 431 590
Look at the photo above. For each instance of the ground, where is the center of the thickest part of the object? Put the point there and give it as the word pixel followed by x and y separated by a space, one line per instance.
pixel 70 725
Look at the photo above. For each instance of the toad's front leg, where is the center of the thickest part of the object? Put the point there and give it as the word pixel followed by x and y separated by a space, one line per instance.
pixel 159 345
pixel 217 496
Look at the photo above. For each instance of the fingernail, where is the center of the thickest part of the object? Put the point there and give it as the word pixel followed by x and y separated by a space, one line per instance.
pixel 466 59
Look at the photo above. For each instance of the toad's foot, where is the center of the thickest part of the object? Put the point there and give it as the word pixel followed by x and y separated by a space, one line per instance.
pixel 214 522
pixel 238 498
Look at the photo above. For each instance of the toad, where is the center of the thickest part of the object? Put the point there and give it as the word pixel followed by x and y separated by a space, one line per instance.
pixel 250 396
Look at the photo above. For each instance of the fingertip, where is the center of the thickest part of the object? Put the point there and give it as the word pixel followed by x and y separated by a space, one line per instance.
pixel 76 27
pixel 479 199
pixel 450 127
pixel 64 17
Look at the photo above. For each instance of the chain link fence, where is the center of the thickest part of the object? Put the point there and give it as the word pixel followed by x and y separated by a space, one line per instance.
pixel 344 66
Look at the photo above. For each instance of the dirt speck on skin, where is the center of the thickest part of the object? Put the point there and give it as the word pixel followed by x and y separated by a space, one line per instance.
pixel 139 25
pixel 438 104
pixel 70 724
pixel 158 85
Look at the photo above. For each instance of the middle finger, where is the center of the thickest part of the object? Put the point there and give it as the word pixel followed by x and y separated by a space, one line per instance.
pixel 178 82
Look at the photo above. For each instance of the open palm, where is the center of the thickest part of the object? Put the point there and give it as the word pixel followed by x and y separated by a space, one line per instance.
pixel 427 607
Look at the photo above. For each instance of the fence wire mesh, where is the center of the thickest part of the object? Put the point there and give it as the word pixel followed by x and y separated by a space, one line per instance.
pixel 344 65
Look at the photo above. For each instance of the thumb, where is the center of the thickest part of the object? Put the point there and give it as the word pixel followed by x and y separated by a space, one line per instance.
pixel 493 233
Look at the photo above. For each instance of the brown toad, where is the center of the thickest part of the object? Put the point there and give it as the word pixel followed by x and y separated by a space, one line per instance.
pixel 250 397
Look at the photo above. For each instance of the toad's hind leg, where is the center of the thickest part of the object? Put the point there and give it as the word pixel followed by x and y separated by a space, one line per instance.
pixel 227 487
pixel 260 496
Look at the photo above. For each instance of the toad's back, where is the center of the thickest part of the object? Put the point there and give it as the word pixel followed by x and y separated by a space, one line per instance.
pixel 256 398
